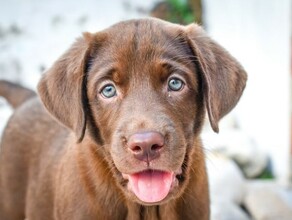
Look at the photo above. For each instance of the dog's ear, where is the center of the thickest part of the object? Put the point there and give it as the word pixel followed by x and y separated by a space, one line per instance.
pixel 223 77
pixel 62 88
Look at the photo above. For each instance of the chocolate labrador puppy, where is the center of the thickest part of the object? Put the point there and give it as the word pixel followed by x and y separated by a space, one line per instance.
pixel 116 131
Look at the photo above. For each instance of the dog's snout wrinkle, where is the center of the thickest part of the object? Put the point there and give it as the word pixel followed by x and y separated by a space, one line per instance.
pixel 146 146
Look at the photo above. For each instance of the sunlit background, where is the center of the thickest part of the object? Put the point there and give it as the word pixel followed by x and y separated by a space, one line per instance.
pixel 249 162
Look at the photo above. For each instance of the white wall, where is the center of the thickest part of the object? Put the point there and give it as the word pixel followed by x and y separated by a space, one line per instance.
pixel 47 28
pixel 257 33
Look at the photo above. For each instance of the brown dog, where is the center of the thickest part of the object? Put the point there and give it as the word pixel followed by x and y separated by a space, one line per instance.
pixel 133 99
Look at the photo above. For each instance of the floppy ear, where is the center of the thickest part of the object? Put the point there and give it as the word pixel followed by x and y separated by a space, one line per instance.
pixel 223 77
pixel 62 88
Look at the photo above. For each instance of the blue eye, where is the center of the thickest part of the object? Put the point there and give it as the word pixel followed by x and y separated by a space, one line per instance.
pixel 109 91
pixel 175 84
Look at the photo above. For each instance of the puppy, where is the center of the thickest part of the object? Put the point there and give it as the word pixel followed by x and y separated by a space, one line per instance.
pixel 116 131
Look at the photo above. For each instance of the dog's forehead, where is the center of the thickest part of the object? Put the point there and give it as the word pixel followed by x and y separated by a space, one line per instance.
pixel 138 48
pixel 142 34
pixel 143 40
pixel 145 28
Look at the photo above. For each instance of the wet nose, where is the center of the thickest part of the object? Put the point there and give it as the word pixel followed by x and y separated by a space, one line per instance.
pixel 146 146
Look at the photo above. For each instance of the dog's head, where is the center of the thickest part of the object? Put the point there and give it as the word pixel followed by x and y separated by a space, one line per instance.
pixel 140 90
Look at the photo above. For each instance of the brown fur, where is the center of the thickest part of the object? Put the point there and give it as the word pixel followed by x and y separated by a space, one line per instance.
pixel 8 90
pixel 74 172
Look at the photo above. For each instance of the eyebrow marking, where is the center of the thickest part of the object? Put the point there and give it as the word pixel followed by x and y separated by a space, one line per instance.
pixel 173 66
pixel 105 73
pixel 117 77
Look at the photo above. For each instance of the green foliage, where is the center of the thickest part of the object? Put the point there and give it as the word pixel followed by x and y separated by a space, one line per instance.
pixel 180 12
pixel 267 174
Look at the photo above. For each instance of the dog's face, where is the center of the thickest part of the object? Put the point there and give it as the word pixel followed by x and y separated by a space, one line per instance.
pixel 140 89
pixel 146 101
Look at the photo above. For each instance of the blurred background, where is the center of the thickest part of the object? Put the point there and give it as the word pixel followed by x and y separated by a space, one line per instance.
pixel 249 162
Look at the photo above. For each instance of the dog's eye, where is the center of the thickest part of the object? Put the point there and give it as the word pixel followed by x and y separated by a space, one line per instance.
pixel 109 91
pixel 175 84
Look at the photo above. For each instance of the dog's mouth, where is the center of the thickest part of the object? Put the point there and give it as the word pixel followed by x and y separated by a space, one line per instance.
pixel 152 186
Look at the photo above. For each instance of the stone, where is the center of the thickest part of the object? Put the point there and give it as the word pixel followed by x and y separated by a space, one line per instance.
pixel 227 210
pixel 264 201
pixel 235 144
pixel 225 179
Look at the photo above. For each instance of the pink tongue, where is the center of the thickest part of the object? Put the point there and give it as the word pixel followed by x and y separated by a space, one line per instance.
pixel 151 186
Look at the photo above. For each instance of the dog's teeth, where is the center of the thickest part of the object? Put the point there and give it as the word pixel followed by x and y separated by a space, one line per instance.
pixel 125 176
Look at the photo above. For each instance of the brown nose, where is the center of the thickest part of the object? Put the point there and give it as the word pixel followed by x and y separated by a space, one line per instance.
pixel 146 146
